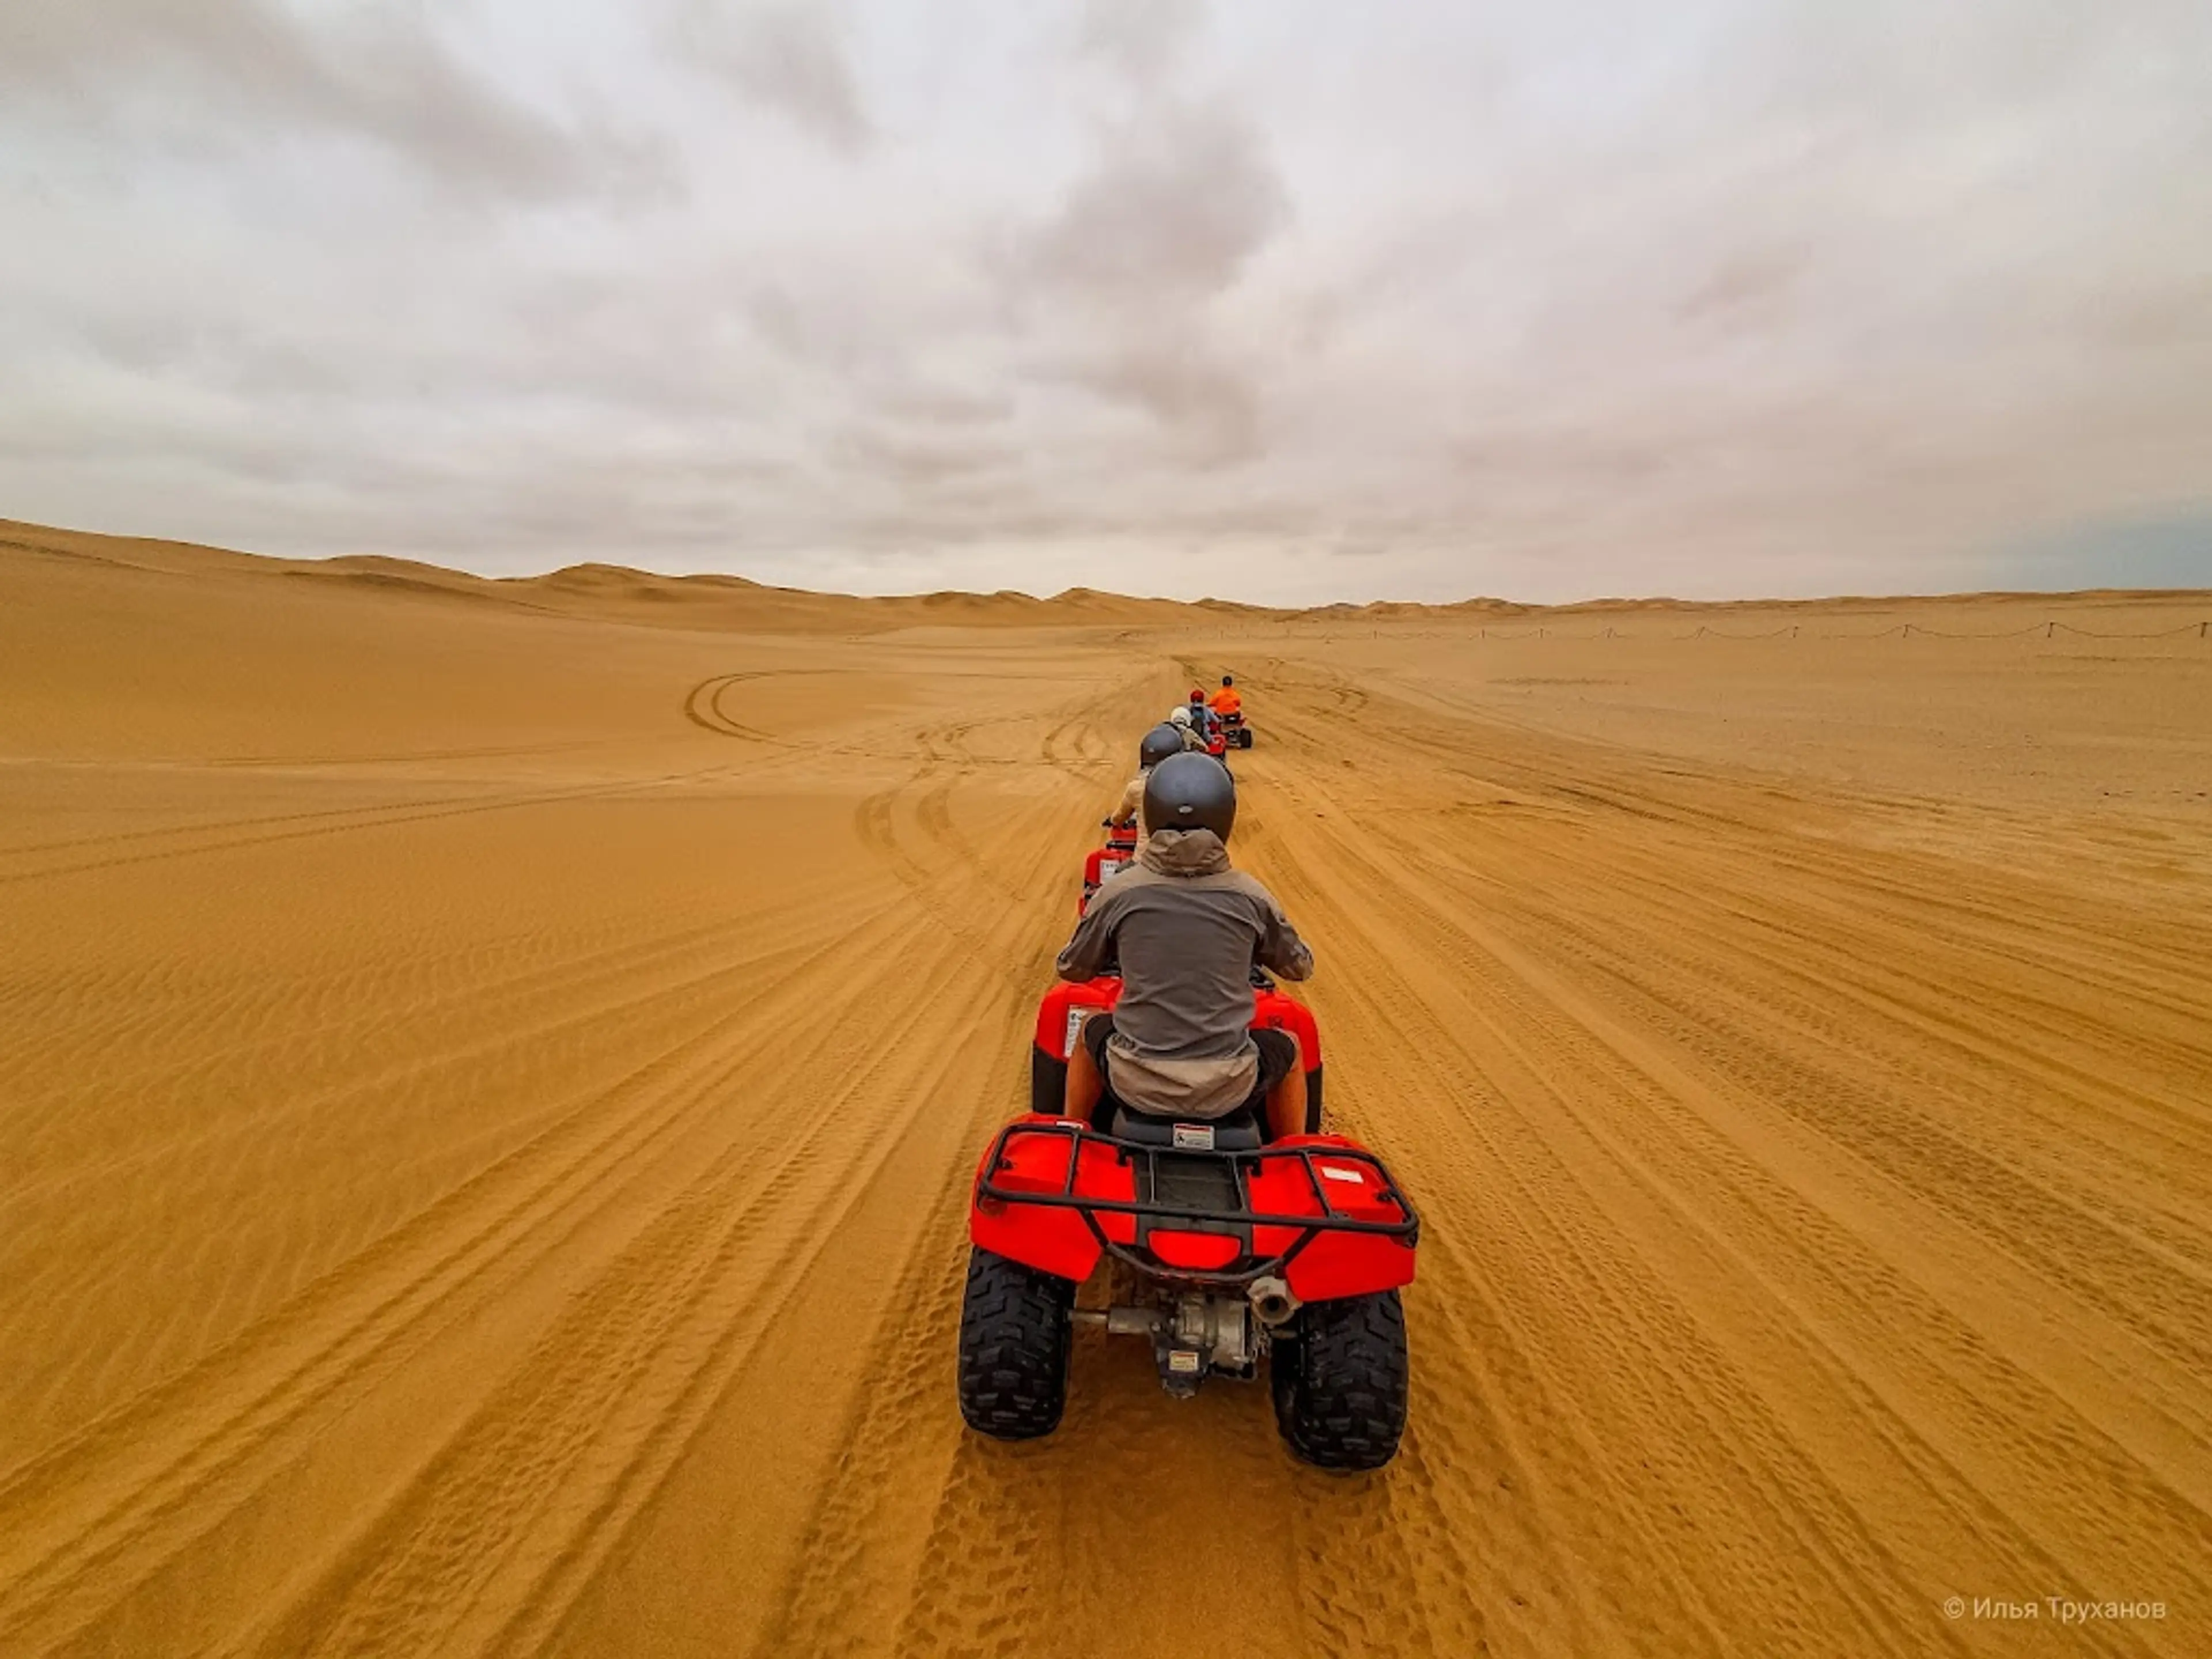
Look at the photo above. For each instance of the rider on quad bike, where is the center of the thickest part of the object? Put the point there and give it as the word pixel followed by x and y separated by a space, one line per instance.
pixel 1227 1245
pixel 1203 731
pixel 1124 827
pixel 1159 744
pixel 1188 931
pixel 1228 707
pixel 1204 721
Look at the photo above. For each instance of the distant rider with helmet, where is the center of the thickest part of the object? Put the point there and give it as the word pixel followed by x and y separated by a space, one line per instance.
pixel 1187 730
pixel 1227 700
pixel 1203 720
pixel 1186 930
pixel 1162 741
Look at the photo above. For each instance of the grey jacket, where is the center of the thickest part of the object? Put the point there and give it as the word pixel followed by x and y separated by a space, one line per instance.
pixel 1187 929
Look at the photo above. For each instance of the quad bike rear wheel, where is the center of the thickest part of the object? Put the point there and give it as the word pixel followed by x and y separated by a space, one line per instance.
pixel 1014 1333
pixel 1339 1372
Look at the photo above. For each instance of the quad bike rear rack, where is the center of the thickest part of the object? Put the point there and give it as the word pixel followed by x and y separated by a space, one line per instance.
pixel 1237 1223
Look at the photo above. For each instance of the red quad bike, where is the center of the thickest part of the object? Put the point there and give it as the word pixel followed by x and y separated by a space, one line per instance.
pixel 1239 734
pixel 1218 741
pixel 1222 1249
pixel 1119 853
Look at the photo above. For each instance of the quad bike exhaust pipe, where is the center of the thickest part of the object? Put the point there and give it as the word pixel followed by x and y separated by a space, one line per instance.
pixel 1272 1303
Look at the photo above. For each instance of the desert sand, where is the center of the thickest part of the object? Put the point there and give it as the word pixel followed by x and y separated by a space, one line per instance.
pixel 489 1074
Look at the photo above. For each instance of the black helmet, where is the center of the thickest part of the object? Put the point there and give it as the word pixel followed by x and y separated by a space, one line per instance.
pixel 1228 679
pixel 1191 791
pixel 1159 744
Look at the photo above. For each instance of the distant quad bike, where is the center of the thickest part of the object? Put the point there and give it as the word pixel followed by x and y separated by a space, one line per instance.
pixel 1103 863
pixel 1239 734
pixel 1222 1249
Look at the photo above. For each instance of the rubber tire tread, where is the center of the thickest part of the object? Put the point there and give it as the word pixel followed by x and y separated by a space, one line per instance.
pixel 1015 1332
pixel 1340 1381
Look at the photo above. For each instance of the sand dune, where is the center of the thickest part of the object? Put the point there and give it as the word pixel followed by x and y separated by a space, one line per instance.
pixel 489 1073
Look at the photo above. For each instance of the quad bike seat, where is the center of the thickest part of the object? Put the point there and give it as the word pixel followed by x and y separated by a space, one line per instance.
pixel 1239 1132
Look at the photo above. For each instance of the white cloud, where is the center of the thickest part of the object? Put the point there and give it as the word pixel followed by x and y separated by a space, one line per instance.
pixel 1295 301
pixel 788 59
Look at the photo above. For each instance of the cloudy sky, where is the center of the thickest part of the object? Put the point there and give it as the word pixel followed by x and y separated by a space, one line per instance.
pixel 1289 300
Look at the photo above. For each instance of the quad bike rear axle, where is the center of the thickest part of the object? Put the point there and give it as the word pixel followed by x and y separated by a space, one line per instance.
pixel 1195 1335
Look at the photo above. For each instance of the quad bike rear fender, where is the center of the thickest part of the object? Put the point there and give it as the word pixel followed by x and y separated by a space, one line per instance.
pixel 1317 1210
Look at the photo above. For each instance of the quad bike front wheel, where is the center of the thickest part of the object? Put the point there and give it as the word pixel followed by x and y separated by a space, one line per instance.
pixel 1015 1328
pixel 1339 1372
